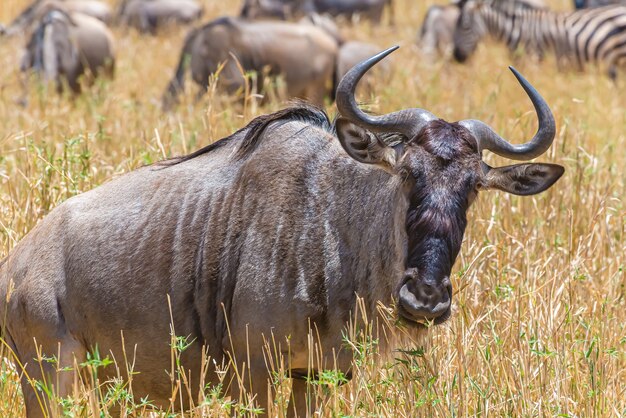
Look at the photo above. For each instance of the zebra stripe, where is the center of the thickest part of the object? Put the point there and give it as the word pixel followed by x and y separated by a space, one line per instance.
pixel 579 37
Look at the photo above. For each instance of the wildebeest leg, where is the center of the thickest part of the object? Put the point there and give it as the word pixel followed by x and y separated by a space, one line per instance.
pixel 201 77
pixel 71 353
pixel 34 407
pixel 255 384
pixel 260 384
pixel 392 13
pixel 47 360
pixel 202 90
pixel 144 22
pixel 73 81
pixel 23 100
pixel 316 92
pixel 302 400
pixel 376 14
pixel 54 374
pixel 232 78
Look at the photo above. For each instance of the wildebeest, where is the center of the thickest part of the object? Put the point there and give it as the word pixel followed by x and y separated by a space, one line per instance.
pixel 149 15
pixel 286 9
pixel 64 47
pixel 35 11
pixel 282 11
pixel 269 231
pixel 437 31
pixel 353 52
pixel 304 54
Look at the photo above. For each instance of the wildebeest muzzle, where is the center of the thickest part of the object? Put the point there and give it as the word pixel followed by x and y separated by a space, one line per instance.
pixel 421 299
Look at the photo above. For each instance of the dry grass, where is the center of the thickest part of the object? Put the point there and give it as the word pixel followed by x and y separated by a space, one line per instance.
pixel 539 322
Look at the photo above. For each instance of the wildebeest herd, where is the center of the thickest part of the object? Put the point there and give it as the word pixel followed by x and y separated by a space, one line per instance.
pixel 69 38
pixel 68 41
pixel 278 227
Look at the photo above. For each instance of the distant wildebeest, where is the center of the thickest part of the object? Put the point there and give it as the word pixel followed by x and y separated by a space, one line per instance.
pixel 577 38
pixel 288 9
pixel 353 52
pixel 437 31
pixel 149 15
pixel 33 13
pixel 303 54
pixel 269 232
pixel 584 4
pixel 64 47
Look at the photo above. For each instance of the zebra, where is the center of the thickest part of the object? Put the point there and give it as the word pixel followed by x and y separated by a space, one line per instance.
pixel 435 36
pixel 577 38
pixel 584 4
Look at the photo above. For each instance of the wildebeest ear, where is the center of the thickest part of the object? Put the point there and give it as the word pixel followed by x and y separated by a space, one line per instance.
pixel 522 179
pixel 363 145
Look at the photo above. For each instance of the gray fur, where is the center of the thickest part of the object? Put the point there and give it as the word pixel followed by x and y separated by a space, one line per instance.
pixel 288 9
pixel 33 14
pixel 304 54
pixel 149 15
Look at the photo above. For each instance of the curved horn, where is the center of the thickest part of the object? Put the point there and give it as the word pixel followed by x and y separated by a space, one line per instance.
pixel 489 140
pixel 408 122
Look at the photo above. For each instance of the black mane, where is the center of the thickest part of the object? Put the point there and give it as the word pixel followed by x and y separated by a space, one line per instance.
pixel 300 112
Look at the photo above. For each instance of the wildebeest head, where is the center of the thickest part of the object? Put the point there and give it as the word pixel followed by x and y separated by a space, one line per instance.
pixel 443 167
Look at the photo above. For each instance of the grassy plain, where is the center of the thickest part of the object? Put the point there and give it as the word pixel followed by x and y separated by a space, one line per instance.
pixel 539 323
